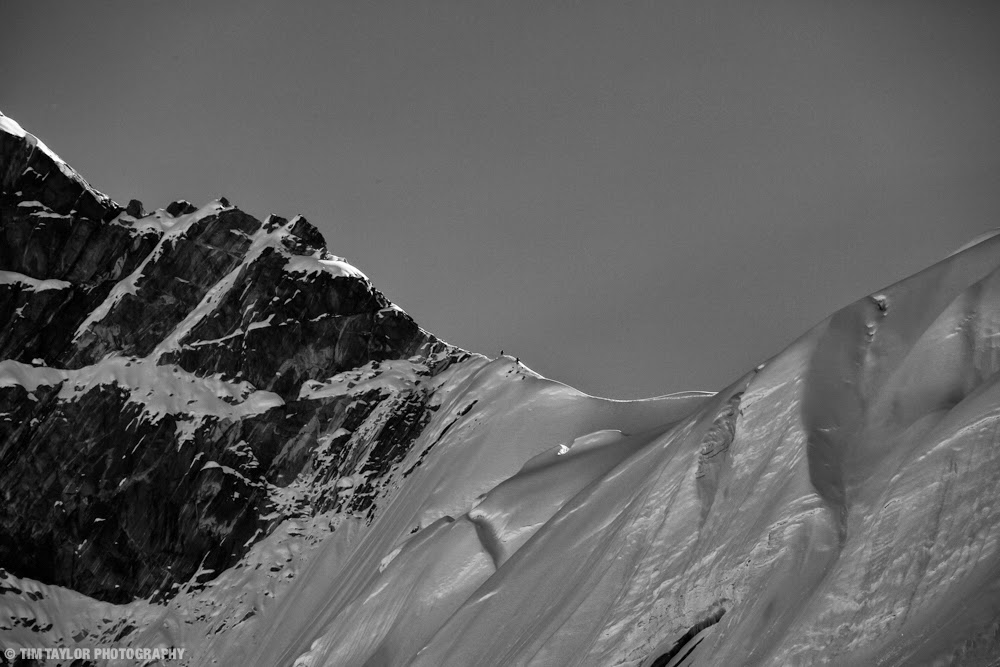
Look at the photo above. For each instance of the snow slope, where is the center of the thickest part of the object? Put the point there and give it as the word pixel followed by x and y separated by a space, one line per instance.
pixel 835 505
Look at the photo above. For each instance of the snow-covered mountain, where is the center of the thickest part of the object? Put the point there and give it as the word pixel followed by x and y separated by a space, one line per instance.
pixel 218 436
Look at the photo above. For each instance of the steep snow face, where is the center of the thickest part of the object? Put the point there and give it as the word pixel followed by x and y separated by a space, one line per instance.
pixel 358 493
pixel 834 505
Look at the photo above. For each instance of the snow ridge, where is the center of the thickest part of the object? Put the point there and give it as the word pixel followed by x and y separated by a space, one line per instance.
pixel 295 473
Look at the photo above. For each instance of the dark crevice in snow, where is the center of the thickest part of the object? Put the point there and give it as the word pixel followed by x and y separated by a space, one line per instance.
pixel 488 537
pixel 664 659
pixel 688 652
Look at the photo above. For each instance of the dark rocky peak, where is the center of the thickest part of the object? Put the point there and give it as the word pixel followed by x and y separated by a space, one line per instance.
pixel 180 207
pixel 158 374
pixel 135 209
pixel 197 287
pixel 29 168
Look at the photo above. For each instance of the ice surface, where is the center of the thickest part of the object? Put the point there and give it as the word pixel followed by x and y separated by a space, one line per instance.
pixel 322 261
pixel 10 126
pixel 34 284
pixel 159 389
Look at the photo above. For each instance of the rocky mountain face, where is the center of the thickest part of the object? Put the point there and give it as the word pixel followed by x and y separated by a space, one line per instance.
pixel 216 435
pixel 153 417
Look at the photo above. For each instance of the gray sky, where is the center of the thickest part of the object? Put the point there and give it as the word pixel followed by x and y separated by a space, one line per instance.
pixel 636 198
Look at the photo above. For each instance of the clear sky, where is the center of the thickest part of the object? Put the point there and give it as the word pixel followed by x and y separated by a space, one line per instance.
pixel 636 198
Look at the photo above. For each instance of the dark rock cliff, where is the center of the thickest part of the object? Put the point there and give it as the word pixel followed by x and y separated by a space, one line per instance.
pixel 167 388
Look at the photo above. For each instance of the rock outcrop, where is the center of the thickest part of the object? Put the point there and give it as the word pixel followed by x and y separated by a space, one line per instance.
pixel 151 416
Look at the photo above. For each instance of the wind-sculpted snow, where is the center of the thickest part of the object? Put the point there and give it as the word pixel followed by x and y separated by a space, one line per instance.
pixel 279 467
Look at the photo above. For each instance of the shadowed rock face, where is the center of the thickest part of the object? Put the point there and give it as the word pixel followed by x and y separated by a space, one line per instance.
pixel 117 478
